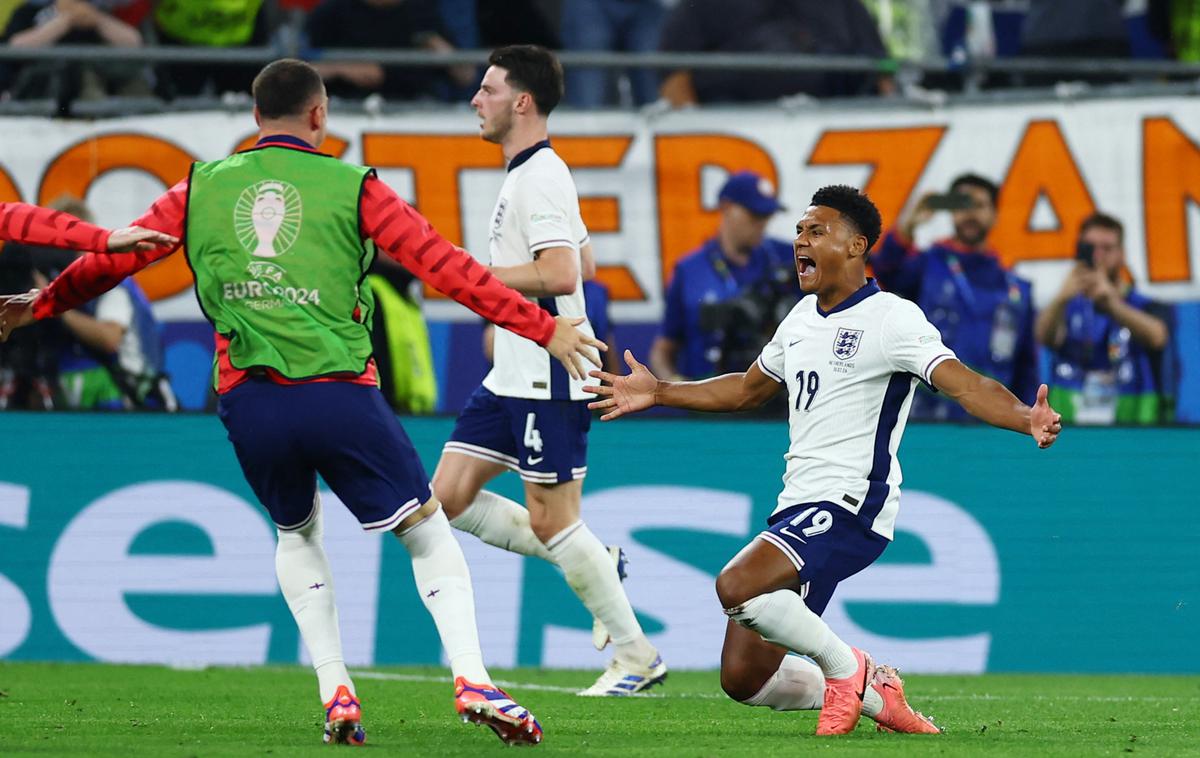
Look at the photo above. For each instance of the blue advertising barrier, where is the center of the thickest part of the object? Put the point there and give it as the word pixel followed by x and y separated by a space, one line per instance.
pixel 134 538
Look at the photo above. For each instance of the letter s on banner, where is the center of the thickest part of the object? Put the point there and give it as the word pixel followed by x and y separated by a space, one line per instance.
pixel 16 618
pixel 676 593
pixel 964 570
pixel 91 571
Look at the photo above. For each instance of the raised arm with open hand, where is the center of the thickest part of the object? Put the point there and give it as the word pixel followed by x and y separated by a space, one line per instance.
pixel 1044 423
pixel 572 347
pixel 625 394
pixel 988 400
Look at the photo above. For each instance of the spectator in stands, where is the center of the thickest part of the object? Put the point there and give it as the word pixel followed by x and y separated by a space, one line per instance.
pixel 517 22
pixel 1081 29
pixel 213 24
pixel 983 310
pixel 45 23
pixel 627 25
pixel 725 298
pixel 112 358
pixel 816 27
pixel 397 24
pixel 1107 339
pixel 1075 29
pixel 1176 25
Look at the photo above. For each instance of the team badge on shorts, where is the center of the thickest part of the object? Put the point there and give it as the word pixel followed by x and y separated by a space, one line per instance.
pixel 845 344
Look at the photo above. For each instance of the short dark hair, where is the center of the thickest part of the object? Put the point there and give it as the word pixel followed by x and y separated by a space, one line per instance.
pixel 1100 220
pixel 285 88
pixel 975 180
pixel 854 206
pixel 532 69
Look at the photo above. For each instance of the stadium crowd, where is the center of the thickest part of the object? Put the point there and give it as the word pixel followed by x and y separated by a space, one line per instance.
pixel 1099 343
pixel 955 30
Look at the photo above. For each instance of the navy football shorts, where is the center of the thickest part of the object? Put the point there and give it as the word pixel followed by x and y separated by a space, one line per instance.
pixel 284 435
pixel 545 441
pixel 826 543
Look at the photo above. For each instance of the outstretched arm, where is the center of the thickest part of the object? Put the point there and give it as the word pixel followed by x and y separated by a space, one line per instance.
pixel 988 400
pixel 639 390
pixel 408 238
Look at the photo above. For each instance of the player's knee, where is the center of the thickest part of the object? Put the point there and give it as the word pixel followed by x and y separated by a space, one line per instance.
pixel 545 525
pixel 739 680
pixel 452 498
pixel 734 587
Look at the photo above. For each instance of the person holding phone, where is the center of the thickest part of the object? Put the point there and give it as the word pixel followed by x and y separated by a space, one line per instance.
pixel 983 310
pixel 1107 339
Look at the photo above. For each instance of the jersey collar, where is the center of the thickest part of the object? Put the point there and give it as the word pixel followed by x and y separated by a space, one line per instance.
pixel 527 153
pixel 284 140
pixel 860 294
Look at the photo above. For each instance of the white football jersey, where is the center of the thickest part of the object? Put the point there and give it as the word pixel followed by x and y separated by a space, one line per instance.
pixel 850 375
pixel 538 208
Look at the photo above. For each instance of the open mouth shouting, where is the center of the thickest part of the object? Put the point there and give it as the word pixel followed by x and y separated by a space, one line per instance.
pixel 805 266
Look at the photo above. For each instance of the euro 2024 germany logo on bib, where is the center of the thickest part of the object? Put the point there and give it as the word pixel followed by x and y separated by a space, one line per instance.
pixel 267 218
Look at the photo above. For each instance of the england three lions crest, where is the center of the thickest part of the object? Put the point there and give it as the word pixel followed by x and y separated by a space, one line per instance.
pixel 845 344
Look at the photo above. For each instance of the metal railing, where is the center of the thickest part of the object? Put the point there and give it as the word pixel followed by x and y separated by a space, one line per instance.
pixel 969 75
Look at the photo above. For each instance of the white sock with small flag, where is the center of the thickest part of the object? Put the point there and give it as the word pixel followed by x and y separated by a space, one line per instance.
pixel 306 582
pixel 444 583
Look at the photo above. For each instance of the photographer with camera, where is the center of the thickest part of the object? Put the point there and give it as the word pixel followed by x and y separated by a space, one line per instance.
pixel 983 310
pixel 725 298
pixel 1107 339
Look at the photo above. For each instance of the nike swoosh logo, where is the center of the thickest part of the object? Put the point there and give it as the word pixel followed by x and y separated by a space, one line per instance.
pixel 535 461
pixel 797 342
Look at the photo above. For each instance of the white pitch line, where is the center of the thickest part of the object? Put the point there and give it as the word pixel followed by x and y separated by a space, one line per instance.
pixel 386 676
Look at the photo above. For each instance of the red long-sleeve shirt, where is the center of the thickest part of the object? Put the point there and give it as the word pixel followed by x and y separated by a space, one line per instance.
pixel 397 229
pixel 43 227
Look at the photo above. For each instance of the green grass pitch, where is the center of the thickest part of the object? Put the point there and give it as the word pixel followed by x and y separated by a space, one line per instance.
pixel 104 710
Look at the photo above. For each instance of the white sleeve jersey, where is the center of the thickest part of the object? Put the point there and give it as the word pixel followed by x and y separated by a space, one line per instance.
pixel 850 375
pixel 538 209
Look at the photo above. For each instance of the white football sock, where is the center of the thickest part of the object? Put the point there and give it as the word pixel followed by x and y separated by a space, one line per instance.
pixel 501 522
pixel 783 618
pixel 445 586
pixel 590 573
pixel 798 685
pixel 307 585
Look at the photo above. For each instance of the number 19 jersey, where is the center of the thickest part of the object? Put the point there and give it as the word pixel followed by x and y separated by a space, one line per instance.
pixel 850 374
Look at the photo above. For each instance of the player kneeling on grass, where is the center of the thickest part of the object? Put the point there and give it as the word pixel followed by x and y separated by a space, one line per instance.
pixel 850 359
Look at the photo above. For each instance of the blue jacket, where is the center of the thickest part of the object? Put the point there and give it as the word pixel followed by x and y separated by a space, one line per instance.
pixel 705 276
pixel 1099 364
pixel 983 311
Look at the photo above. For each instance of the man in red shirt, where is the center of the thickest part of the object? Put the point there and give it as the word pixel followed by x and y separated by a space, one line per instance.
pixel 296 384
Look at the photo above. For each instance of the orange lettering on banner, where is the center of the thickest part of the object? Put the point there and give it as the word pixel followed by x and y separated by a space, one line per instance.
pixel 8 192
pixel 333 145
pixel 897 158
pixel 1042 167
pixel 436 161
pixel 73 171
pixel 684 221
pixel 602 214
pixel 1170 182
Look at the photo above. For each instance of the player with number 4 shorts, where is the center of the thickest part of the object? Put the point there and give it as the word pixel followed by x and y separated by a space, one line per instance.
pixel 849 357
pixel 529 416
